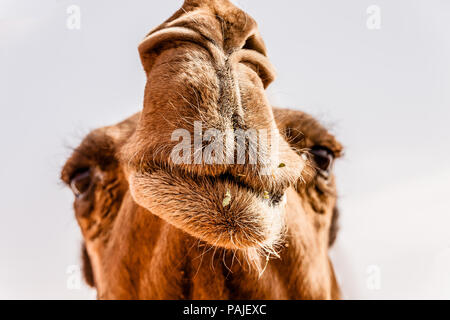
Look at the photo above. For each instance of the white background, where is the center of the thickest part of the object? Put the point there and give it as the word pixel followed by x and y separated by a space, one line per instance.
pixel 384 93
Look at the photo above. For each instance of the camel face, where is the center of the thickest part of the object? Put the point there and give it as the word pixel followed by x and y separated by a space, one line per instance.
pixel 207 70
pixel 208 156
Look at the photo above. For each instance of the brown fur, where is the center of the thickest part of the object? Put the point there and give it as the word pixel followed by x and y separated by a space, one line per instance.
pixel 156 230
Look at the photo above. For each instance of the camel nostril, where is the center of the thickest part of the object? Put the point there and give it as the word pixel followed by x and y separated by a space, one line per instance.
pixel 252 43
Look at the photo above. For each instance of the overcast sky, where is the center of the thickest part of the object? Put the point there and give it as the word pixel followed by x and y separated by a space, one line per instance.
pixel 383 92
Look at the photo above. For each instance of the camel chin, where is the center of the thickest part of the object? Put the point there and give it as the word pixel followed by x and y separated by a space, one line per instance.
pixel 221 212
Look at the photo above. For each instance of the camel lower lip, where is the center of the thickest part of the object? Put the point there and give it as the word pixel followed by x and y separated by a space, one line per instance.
pixel 220 210
pixel 271 198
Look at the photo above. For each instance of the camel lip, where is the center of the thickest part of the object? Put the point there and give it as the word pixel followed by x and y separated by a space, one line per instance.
pixel 273 195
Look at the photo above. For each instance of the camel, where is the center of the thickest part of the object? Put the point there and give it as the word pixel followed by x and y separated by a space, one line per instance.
pixel 156 228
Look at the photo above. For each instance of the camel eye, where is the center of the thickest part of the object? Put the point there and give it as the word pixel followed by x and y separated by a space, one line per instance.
pixel 80 182
pixel 323 158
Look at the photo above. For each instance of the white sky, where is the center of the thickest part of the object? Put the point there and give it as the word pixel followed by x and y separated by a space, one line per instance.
pixel 383 92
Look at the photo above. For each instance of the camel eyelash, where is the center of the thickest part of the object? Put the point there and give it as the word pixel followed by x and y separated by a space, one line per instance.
pixel 77 171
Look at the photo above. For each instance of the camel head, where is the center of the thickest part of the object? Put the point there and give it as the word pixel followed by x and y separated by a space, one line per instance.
pixel 207 154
